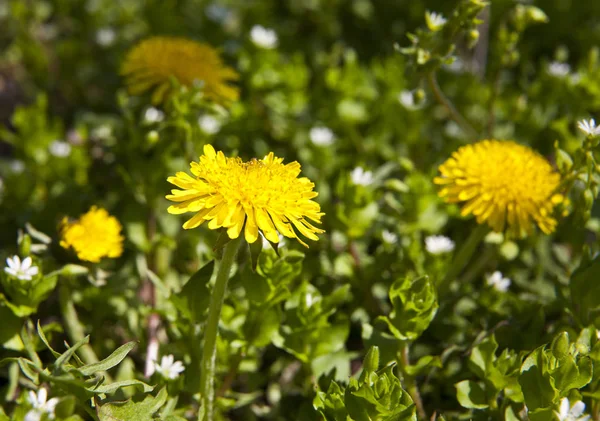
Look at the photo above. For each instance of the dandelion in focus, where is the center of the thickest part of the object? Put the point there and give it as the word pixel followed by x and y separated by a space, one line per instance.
pixel 22 270
pixel 95 235
pixel 263 37
pixel 498 281
pixel 152 63
pixel 503 184
pixel 258 195
pixel 40 405
pixel 360 177
pixel 168 368
pixel 438 244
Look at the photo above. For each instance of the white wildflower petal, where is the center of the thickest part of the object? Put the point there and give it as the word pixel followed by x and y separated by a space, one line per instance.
pixel 60 149
pixel 32 398
pixel 589 127
pixel 360 177
pixel 564 409
pixel 33 415
pixel 558 69
pixel 577 409
pixel 209 124
pixel 263 37
pixel 26 264
pixel 438 244
pixel 321 136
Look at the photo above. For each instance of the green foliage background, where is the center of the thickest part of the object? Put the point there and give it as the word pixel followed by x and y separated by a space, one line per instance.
pixel 297 328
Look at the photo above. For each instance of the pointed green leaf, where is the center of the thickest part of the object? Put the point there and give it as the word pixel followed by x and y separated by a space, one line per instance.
pixel 112 360
pixel 471 395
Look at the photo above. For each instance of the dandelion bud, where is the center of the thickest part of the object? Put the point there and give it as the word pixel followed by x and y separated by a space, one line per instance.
pixel 588 198
pixel 152 137
pixel 472 38
pixel 25 245
pixel 419 95
pixel 536 15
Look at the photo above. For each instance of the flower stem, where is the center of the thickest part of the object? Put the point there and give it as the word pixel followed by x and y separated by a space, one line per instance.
pixel 456 116
pixel 462 257
pixel 409 381
pixel 209 354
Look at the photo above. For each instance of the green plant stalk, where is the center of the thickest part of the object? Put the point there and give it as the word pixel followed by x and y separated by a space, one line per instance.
pixel 209 354
pixel 75 329
pixel 409 381
pixel 454 114
pixel 463 256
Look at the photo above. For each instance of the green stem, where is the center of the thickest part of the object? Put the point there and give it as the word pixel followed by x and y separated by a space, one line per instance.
pixel 462 257
pixel 454 114
pixel 409 381
pixel 75 329
pixel 209 354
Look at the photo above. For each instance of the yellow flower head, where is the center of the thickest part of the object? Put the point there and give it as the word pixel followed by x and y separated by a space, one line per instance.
pixel 503 184
pixel 257 195
pixel 93 236
pixel 152 63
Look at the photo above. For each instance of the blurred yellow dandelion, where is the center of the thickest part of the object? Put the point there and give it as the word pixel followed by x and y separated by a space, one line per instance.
pixel 95 235
pixel 153 62
pixel 260 195
pixel 503 184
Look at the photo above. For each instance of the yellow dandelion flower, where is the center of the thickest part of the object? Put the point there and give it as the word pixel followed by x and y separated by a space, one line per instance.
pixel 153 62
pixel 503 184
pixel 95 235
pixel 259 195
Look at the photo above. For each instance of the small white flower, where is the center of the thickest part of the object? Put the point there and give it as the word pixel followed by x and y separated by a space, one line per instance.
pixel 208 124
pixel 263 37
pixel 389 237
pixel 21 270
pixel 589 127
pixel 102 132
pixel 438 244
pixel 407 100
pixel 558 69
pixel 153 115
pixel 574 413
pixel 321 136
pixel 598 334
pixel 360 177
pixel 498 281
pixel 169 368
pixel 40 405
pixel 105 37
pixel 435 21
pixel 60 149
pixel 17 166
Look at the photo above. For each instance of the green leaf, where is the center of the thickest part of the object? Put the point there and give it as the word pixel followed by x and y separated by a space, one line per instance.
pixel 423 364
pixel 113 387
pixel 42 336
pixel 415 305
pixel 471 395
pixel 132 411
pixel 66 356
pixel 537 388
pixel 194 298
pixel 112 360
